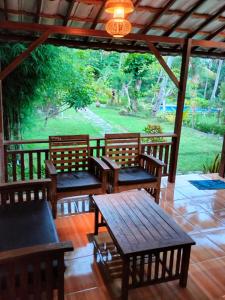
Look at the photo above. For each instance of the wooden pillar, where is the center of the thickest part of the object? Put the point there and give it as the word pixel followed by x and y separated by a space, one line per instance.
pixel 2 163
pixel 222 162
pixel 180 107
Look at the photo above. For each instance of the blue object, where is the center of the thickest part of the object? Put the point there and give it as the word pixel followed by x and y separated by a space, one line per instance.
pixel 208 184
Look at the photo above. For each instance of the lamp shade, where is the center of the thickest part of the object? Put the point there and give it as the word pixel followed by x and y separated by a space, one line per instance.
pixel 112 5
pixel 118 27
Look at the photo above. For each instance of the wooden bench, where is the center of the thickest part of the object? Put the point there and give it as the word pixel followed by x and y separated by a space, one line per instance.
pixel 31 255
pixel 149 247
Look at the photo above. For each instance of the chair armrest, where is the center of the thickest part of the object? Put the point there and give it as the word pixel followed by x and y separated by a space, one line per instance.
pixel 155 161
pixel 20 185
pixel 97 161
pixel 112 164
pixel 35 250
pixel 51 168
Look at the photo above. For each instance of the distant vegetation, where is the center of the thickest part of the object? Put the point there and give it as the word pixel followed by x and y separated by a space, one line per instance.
pixel 53 80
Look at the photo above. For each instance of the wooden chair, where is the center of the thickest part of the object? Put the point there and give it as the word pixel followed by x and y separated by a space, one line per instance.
pixel 129 168
pixel 31 255
pixel 72 170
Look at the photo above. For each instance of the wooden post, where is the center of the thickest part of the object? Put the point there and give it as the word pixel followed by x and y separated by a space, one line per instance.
pixel 222 162
pixel 2 163
pixel 180 107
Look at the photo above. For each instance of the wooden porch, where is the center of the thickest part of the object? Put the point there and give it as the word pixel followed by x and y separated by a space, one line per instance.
pixel 200 213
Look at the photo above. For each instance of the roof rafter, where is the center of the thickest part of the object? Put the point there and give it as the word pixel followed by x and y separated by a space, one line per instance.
pixel 212 35
pixel 157 16
pixel 207 22
pixel 6 10
pixel 68 13
pixel 100 11
pixel 38 11
pixel 184 17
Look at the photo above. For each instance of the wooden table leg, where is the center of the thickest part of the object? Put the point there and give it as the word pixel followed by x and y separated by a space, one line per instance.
pixel 125 279
pixel 185 265
pixel 96 219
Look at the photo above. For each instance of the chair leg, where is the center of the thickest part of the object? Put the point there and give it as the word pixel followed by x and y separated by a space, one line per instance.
pixel 54 208
pixel 157 194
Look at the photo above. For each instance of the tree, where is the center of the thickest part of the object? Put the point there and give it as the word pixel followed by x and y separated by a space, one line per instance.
pixel 50 78
pixel 136 67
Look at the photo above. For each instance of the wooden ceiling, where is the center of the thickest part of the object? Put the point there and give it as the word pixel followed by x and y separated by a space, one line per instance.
pixel 80 24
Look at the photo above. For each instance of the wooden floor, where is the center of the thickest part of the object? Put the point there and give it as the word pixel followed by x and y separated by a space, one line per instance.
pixel 200 213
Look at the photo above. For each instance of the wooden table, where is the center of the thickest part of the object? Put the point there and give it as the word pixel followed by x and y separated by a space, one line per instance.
pixel 153 248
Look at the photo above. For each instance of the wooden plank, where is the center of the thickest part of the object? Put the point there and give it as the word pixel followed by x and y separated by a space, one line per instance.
pixel 180 108
pixel 12 66
pixel 163 64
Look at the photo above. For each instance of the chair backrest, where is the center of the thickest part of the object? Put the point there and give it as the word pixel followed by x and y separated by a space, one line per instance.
pixel 123 148
pixel 23 191
pixel 69 152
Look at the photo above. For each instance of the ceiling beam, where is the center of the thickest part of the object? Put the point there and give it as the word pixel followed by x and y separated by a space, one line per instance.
pixel 207 22
pixel 157 16
pixel 38 11
pixel 105 46
pixel 17 61
pixel 184 17
pixel 62 30
pixel 163 64
pixel 69 12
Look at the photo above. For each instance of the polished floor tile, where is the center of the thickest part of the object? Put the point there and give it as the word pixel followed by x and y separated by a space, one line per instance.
pixel 199 213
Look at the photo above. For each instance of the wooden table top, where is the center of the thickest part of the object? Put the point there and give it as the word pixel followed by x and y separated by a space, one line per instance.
pixel 137 224
pixel 26 224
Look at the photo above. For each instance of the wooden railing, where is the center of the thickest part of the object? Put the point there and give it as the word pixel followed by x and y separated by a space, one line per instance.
pixel 22 163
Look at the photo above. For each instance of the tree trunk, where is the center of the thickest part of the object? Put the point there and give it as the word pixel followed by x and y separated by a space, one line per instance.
pixel 213 96
pixel 126 90
pixel 161 98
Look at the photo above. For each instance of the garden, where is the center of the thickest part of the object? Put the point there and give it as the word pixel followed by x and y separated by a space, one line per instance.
pixel 65 91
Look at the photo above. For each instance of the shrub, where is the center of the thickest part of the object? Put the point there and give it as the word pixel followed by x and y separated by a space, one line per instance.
pixel 153 129
pixel 213 165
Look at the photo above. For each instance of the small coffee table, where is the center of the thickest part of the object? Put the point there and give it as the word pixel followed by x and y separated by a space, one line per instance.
pixel 152 247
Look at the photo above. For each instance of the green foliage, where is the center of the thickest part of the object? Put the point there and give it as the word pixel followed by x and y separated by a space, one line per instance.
pixel 153 129
pixel 137 64
pixel 213 165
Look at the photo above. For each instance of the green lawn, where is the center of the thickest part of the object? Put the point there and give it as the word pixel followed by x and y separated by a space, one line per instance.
pixel 195 149
pixel 71 122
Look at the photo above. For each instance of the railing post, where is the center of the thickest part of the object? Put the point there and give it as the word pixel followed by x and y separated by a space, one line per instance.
pixel 222 162
pixel 2 154
pixel 180 107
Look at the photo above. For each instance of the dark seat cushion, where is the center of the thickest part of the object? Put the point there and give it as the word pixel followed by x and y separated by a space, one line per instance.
pixel 134 175
pixel 71 181
pixel 26 224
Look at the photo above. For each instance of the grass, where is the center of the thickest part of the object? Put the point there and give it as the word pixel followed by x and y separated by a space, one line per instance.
pixel 196 148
